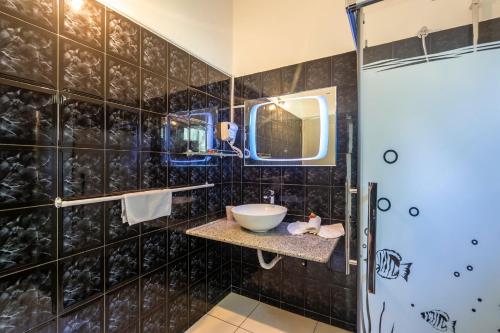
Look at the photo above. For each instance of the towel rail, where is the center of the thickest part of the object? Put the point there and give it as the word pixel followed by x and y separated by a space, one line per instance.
pixel 59 202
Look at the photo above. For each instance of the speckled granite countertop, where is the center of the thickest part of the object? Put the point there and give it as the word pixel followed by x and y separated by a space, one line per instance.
pixel 277 240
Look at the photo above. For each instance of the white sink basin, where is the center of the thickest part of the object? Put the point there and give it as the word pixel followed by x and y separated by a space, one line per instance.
pixel 259 217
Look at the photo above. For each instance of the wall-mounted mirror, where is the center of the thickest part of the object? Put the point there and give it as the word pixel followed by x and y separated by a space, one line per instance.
pixel 193 132
pixel 295 129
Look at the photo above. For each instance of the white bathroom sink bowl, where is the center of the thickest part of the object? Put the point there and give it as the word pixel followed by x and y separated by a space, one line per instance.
pixel 259 217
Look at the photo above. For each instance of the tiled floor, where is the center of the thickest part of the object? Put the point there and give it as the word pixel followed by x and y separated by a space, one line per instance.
pixel 240 314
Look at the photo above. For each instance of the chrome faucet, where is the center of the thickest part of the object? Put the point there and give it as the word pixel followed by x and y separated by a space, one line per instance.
pixel 269 196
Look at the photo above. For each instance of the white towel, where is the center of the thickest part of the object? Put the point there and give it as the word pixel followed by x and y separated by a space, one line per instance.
pixel 144 206
pixel 325 231
pixel 299 228
pixel 331 231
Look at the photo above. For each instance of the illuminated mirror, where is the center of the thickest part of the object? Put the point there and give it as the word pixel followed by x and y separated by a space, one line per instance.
pixel 295 129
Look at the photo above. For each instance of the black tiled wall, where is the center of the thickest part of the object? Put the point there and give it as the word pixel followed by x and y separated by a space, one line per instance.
pixel 322 292
pixel 83 99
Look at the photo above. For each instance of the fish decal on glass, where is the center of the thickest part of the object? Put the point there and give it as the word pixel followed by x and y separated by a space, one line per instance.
pixel 439 320
pixel 389 265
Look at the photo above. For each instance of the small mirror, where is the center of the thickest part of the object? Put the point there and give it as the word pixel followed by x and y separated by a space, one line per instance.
pixel 296 129
pixel 193 132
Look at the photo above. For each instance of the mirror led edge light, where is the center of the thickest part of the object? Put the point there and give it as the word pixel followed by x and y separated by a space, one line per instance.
pixel 323 139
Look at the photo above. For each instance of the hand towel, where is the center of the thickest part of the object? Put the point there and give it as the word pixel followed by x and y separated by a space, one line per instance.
pixel 315 224
pixel 331 231
pixel 297 228
pixel 144 206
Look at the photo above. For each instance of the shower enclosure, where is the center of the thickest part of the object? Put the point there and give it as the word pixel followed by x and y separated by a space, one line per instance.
pixel 429 150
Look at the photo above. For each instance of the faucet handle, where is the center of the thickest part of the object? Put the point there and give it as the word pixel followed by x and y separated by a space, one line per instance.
pixel 269 192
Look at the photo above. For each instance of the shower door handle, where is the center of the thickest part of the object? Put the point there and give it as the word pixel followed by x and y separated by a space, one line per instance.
pixel 372 236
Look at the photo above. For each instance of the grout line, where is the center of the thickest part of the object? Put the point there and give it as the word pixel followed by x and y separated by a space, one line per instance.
pixel 315 327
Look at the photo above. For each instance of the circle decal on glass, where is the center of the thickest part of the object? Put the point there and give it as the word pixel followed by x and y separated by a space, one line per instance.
pixel 390 156
pixel 414 211
pixel 384 204
pixel 470 268
pixel 457 274
pixel 474 242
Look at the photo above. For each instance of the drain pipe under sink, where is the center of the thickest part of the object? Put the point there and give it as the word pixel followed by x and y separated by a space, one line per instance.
pixel 265 265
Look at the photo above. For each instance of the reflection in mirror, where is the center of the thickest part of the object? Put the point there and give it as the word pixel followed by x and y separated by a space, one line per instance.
pixel 193 131
pixel 296 129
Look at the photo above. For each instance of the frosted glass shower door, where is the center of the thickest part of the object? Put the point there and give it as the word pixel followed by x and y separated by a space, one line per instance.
pixel 429 131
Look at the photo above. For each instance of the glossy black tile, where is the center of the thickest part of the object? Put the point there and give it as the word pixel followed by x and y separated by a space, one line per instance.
pixel 215 288
pixel 28 115
pixel 197 100
pixel 123 37
pixel 343 304
pixel 270 174
pixel 292 197
pixel 81 69
pixel 178 276
pixel 271 83
pixel 317 297
pixel 252 86
pixel 154 89
pixel 34 63
pixel 292 79
pixel 197 175
pixel 80 277
pixel 28 237
pixel 87 318
pixel 198 74
pixel 178 64
pixel 198 203
pixel 84 24
pixel 122 309
pixel 81 228
pixel 377 53
pixel 82 172
pixel 271 282
pixel 26 176
pixel 214 82
pixel 153 131
pixel 41 13
pixel 408 48
pixel 123 81
pixel 226 89
pixel 293 175
pixel 197 300
pixel 28 299
pixel 318 73
pixel 178 241
pixel 115 228
pixel 82 122
pixel 214 199
pixel 154 52
pixel 122 171
pixel 197 265
pixel 489 31
pixel 153 291
pixel 292 291
pixel 344 69
pixel 154 247
pixel 450 39
pixel 180 208
pixel 214 174
pixel 250 193
pixel 318 201
pixel 122 262
pixel 338 203
pixel 178 313
pixel 153 170
pixel 154 322
pixel 178 100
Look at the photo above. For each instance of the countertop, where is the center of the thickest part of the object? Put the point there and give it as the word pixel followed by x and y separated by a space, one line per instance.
pixel 277 240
